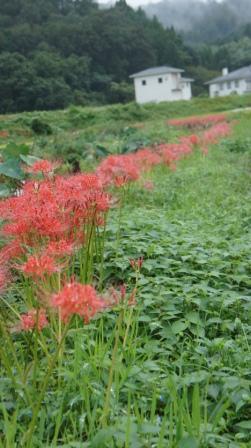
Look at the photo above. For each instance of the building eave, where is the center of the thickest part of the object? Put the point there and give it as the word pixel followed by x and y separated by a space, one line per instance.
pixel 156 71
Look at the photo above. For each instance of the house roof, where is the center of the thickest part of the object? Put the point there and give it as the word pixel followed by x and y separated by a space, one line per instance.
pixel 241 73
pixel 157 71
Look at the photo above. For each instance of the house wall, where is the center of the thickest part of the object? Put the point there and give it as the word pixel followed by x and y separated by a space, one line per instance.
pixel 227 88
pixel 170 89
pixel 187 91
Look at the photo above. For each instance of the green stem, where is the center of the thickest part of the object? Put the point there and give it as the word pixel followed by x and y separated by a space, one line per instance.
pixel 111 373
pixel 27 441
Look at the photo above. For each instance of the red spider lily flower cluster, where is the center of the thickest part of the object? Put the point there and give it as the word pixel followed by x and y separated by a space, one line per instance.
pixel 78 299
pixel 42 166
pixel 198 122
pixel 216 132
pixel 136 264
pixel 121 169
pixel 50 216
pixel 34 319
pixel 118 169
pixel 45 224
pixel 116 297
pixel 39 266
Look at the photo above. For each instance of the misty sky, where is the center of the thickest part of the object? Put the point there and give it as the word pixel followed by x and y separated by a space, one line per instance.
pixel 136 3
pixel 133 3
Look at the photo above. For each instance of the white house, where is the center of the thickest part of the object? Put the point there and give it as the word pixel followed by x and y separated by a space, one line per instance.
pixel 238 81
pixel 161 84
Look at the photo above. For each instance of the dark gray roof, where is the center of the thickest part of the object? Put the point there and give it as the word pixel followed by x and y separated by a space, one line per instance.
pixel 157 71
pixel 241 73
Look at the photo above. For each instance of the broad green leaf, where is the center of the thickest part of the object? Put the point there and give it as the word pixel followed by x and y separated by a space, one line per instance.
pixel 179 326
pixel 13 151
pixel 188 442
pixel 29 160
pixel 11 168
pixel 245 424
pixel 194 318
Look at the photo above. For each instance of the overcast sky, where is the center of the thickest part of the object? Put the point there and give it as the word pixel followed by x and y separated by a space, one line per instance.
pixel 136 3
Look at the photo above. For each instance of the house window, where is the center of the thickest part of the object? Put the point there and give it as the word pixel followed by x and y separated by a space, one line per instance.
pixel 160 80
pixel 143 82
pixel 229 85
pixel 236 83
pixel 221 86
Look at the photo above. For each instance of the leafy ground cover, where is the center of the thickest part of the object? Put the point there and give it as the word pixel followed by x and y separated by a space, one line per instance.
pixel 168 363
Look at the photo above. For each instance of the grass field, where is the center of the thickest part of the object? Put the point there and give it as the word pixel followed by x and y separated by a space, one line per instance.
pixel 174 369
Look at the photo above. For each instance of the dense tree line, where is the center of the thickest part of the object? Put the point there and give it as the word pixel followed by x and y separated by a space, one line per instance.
pixel 57 52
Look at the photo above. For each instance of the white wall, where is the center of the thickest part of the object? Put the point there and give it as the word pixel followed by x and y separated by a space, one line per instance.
pixel 170 89
pixel 187 91
pixel 223 88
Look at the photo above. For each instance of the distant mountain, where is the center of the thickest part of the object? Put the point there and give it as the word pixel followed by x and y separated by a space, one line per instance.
pixel 202 22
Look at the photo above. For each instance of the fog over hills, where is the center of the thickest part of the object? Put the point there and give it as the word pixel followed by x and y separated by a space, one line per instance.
pixel 202 21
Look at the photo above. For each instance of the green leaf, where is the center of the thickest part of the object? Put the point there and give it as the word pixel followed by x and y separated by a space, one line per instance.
pixel 102 437
pixel 194 318
pixel 11 168
pixel 245 424
pixel 5 191
pixel 13 151
pixel 188 442
pixel 179 326
pixel 101 151
pixel 29 160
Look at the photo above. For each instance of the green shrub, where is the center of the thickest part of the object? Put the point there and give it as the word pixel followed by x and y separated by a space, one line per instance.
pixel 40 127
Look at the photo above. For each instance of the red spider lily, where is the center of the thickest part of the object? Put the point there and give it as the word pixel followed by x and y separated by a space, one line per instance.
pixel 190 139
pixel 148 185
pixel 4 278
pixel 115 297
pixel 120 181
pixel 216 132
pixel 132 297
pixel 11 250
pixel 119 166
pixel 55 209
pixel 39 266
pixel 136 264
pixel 198 121
pixel 77 299
pixel 60 248
pixel 147 158
pixel 43 166
pixel 33 319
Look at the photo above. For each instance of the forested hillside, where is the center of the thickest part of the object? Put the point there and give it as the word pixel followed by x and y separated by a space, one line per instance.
pixel 58 52
pixel 202 21
pixel 218 32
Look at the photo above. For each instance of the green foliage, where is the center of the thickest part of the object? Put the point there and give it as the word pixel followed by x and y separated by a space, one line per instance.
pixel 13 159
pixel 237 145
pixel 40 127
